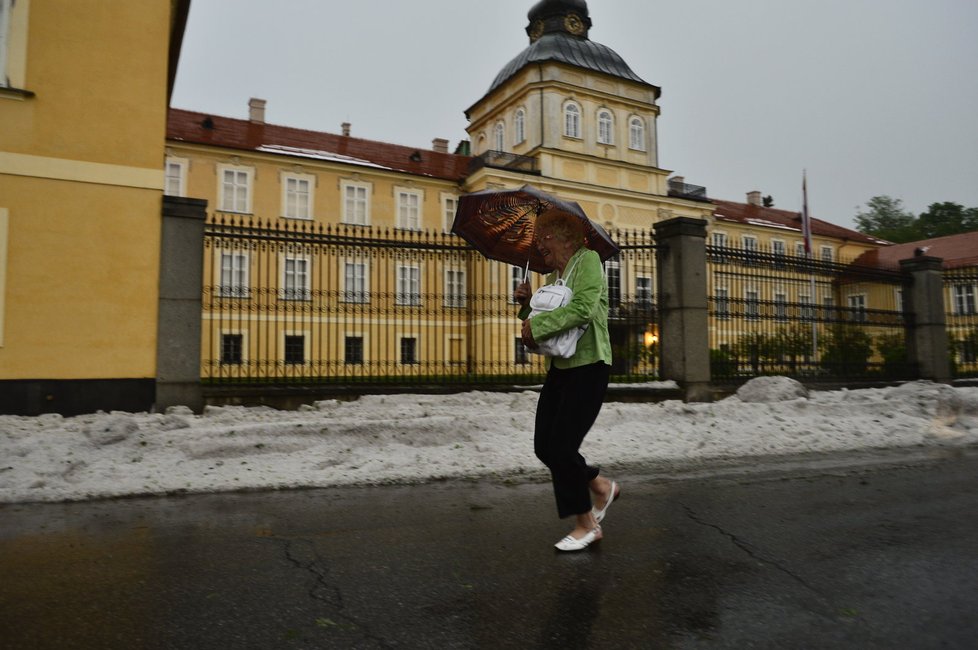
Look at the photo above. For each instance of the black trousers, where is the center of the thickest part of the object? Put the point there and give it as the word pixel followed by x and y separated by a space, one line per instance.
pixel 569 404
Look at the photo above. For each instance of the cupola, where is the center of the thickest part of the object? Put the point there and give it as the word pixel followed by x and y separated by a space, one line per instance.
pixel 558 16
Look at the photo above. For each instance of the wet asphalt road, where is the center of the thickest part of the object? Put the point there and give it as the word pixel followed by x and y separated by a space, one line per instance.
pixel 844 553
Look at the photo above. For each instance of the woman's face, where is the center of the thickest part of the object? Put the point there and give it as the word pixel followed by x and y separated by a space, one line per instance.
pixel 556 252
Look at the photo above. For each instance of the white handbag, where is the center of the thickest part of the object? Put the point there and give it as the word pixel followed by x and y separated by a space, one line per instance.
pixel 547 298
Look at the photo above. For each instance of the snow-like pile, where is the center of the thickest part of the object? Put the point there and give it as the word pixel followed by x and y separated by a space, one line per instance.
pixel 406 438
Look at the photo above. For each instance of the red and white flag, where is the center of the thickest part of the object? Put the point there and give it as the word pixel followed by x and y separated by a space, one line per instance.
pixel 806 220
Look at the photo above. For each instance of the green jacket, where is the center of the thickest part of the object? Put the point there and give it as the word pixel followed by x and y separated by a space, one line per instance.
pixel 589 304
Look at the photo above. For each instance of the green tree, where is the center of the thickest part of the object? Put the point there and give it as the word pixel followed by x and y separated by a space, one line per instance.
pixel 885 217
pixel 846 350
pixel 947 219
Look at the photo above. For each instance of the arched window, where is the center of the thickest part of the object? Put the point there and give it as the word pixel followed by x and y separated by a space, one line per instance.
pixel 606 127
pixel 636 134
pixel 572 120
pixel 499 136
pixel 520 126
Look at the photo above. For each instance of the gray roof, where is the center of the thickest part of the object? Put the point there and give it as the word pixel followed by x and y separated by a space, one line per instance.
pixel 571 50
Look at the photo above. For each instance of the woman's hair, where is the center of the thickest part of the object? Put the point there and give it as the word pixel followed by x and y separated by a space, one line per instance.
pixel 565 227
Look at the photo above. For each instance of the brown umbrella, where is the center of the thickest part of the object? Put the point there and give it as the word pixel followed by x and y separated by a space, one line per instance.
pixel 500 224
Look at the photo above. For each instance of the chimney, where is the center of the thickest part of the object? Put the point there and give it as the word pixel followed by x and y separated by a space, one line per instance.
pixel 678 180
pixel 440 145
pixel 346 128
pixel 256 110
pixel 754 198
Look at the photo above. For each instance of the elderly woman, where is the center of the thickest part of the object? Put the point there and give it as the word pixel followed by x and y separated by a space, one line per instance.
pixel 575 387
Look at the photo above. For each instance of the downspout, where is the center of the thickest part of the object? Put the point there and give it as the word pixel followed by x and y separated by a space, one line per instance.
pixel 542 129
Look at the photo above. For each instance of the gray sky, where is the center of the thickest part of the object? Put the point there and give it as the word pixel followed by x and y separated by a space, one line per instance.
pixel 870 96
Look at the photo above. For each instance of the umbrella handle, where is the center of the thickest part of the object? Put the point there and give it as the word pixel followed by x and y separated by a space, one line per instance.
pixel 526 272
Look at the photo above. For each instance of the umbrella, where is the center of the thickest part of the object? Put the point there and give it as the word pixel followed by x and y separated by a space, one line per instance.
pixel 500 224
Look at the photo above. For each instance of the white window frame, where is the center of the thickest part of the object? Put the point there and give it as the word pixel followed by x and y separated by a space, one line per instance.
pixel 857 306
pixel 636 133
pixel 455 289
pixel 968 299
pixel 401 337
pixel 643 290
pixel 606 127
pixel 499 136
pixel 6 7
pixel 752 306
pixel 800 249
pixel 233 272
pixel 355 203
pixel 175 175
pixel 306 338
pixel 898 298
pixel 781 305
pixel 449 205
pixel 719 239
pixel 363 348
pixel 722 301
pixel 294 209
pixel 520 126
pixel 408 285
pixel 749 243
pixel 239 201
pixel 219 346
pixel 296 277
pixel 826 254
pixel 357 295
pixel 572 120
pixel 408 215
pixel 779 248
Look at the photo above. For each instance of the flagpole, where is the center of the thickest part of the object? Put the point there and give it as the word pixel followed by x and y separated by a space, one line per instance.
pixel 806 230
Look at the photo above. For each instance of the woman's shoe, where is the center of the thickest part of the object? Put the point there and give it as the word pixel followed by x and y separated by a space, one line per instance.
pixel 614 494
pixel 570 543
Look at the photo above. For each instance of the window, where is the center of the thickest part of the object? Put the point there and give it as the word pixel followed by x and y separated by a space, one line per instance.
pixel 827 253
pixel 749 244
pixel 720 239
pixel 235 190
pixel 520 126
pixel 722 300
pixel 295 279
pixel 408 210
pixel 643 292
pixel 613 271
pixel 606 127
pixel 353 350
pixel 800 249
pixel 857 308
pixel 807 309
pixel 520 355
pixel 356 204
pixel 232 349
pixel 752 304
pixel 176 175
pixel 828 306
pixel 779 250
pixel 454 288
pixel 780 306
pixel 295 349
pixel 636 134
pixel 5 9
pixel 898 299
pixel 409 350
pixel 408 286
pixel 499 136
pixel 355 283
pixel 964 299
pixel 572 120
pixel 234 275
pixel 449 205
pixel 297 199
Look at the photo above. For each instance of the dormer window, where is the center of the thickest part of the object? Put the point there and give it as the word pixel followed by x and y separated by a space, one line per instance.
pixel 606 127
pixel 572 120
pixel 499 137
pixel 520 126
pixel 636 134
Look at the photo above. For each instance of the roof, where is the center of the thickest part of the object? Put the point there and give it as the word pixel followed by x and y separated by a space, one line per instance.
pixel 957 251
pixel 231 133
pixel 578 52
pixel 756 215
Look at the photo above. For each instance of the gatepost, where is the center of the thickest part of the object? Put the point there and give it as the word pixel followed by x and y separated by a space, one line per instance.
pixel 683 324
pixel 923 301
pixel 179 323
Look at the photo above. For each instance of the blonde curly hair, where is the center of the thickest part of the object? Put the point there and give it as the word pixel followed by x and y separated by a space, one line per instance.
pixel 562 226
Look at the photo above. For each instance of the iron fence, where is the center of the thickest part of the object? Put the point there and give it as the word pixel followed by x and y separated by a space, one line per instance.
pixel 771 313
pixel 288 303
pixel 960 287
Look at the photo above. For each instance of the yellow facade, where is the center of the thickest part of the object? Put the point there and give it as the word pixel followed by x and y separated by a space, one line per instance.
pixel 82 136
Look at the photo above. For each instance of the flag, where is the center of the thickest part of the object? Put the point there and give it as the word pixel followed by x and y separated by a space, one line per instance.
pixel 806 220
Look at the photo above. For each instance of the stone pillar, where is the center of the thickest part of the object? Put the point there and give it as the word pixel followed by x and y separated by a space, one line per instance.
pixel 923 302
pixel 181 286
pixel 682 303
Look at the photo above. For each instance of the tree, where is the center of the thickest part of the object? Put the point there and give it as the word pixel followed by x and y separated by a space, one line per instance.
pixel 886 218
pixel 946 219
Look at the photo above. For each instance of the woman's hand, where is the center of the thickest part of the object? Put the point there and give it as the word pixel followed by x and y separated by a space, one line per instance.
pixel 527 335
pixel 522 293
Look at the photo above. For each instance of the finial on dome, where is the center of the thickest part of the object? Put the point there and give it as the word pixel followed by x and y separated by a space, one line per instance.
pixel 561 16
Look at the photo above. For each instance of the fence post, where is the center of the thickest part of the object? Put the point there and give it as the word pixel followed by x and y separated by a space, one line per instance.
pixel 681 285
pixel 923 298
pixel 179 320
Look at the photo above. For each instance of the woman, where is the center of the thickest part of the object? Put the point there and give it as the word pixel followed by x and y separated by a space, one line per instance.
pixel 575 387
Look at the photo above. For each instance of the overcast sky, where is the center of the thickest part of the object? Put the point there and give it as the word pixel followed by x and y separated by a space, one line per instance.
pixel 870 96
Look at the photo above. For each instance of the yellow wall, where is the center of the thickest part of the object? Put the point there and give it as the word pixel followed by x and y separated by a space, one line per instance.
pixel 81 183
